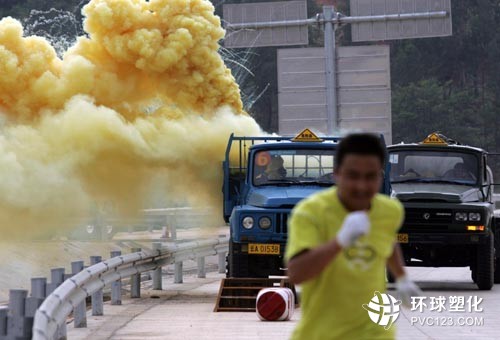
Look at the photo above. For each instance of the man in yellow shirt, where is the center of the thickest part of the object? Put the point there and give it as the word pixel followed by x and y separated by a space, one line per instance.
pixel 340 242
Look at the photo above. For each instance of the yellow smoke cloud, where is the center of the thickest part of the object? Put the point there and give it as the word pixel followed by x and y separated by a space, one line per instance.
pixel 146 97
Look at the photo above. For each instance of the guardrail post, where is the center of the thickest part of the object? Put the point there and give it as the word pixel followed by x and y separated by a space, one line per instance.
pixel 178 272
pixel 157 280
pixel 57 275
pixel 4 310
pixel 57 278
pixel 34 301
pixel 80 311
pixel 97 304
pixel 135 281
pixel 116 287
pixel 173 231
pixel 201 267
pixel 164 232
pixel 222 263
pixel 17 325
pixel 171 225
pixel 39 287
pixel 31 305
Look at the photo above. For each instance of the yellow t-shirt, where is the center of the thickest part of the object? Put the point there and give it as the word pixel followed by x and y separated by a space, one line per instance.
pixel 332 302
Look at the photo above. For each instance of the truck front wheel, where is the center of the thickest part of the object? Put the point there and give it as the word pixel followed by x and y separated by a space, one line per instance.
pixel 236 262
pixel 497 256
pixel 485 254
pixel 389 276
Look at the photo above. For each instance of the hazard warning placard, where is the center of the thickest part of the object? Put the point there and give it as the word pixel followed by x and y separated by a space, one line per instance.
pixel 434 138
pixel 307 136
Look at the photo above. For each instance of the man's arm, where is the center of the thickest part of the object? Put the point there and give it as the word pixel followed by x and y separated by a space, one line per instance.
pixel 405 288
pixel 310 263
pixel 395 262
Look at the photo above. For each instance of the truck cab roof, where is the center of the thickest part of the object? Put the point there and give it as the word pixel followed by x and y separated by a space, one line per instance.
pixel 436 141
pixel 413 146
pixel 289 144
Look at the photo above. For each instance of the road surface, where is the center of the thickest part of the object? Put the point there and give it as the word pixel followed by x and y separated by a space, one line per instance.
pixel 185 311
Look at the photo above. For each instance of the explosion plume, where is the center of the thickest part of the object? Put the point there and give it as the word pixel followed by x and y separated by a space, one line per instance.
pixel 145 97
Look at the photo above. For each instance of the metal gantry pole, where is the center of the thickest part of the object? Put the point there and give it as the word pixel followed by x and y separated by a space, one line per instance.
pixel 330 20
pixel 330 63
pixel 337 20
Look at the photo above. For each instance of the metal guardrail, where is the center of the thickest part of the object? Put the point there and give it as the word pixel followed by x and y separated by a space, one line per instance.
pixel 103 225
pixel 176 211
pixel 70 295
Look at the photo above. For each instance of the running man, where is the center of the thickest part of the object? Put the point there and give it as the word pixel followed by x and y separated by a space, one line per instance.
pixel 340 242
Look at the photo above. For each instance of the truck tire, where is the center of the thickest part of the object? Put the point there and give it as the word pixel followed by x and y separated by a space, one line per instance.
pixel 390 278
pixel 237 265
pixel 485 264
pixel 497 256
pixel 473 275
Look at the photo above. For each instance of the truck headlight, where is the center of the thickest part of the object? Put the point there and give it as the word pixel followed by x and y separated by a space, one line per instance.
pixel 247 222
pixel 474 216
pixel 265 223
pixel 109 229
pixel 90 229
pixel 461 216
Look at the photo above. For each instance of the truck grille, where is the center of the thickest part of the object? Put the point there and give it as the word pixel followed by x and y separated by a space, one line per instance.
pixel 282 223
pixel 421 216
pixel 424 228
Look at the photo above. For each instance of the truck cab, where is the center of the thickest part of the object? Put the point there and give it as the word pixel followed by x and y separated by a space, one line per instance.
pixel 264 178
pixel 447 191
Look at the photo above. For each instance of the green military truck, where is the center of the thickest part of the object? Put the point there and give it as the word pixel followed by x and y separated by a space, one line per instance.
pixel 447 191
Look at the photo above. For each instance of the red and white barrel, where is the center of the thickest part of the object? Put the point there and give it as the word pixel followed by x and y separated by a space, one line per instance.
pixel 275 304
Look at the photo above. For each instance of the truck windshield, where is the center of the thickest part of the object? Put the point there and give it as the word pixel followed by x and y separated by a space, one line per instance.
pixel 433 166
pixel 289 167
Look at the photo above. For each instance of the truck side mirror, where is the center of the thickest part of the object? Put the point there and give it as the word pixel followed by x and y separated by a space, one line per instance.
pixel 485 169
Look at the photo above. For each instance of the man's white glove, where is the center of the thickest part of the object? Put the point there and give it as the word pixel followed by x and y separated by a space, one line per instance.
pixel 405 289
pixel 355 225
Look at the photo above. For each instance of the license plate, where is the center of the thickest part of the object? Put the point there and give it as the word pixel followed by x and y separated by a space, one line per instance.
pixel 402 238
pixel 262 248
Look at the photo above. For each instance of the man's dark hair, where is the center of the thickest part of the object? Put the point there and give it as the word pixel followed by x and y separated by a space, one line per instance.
pixel 366 144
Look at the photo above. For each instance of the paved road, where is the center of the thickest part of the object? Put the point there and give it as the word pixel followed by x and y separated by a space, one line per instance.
pixel 185 312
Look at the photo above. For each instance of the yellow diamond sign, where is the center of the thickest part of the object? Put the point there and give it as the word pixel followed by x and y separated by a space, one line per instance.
pixel 307 136
pixel 435 138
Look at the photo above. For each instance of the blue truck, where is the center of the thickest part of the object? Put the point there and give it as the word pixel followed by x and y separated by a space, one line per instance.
pixel 264 178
